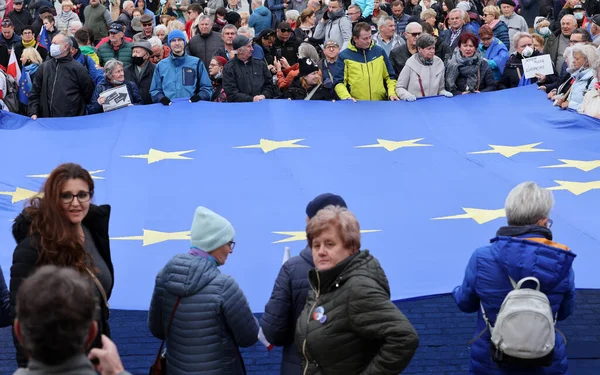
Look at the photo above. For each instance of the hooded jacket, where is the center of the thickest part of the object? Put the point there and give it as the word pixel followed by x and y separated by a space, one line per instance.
pixel 517 252
pixel 211 321
pixel 496 55
pixel 284 307
pixel 349 325
pixel 26 254
pixel 583 81
pixel 338 29
pixel 260 19
pixel 431 77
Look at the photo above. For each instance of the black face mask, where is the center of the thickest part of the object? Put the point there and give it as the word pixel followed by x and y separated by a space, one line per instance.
pixel 138 60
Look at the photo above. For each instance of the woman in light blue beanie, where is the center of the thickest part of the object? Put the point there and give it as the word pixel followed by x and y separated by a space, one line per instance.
pixel 213 316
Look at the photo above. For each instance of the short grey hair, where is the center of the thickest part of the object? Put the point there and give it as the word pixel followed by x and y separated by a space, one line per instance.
pixel 75 24
pixel 308 50
pixel 425 40
pixel 110 66
pixel 66 40
pixel 355 7
pixel 462 13
pixel 596 67
pixel 228 27
pixel 412 25
pixel 155 41
pixel 572 17
pixel 518 36
pixel 383 20
pixel 292 14
pixel 128 2
pixel 587 51
pixel 159 28
pixel 204 17
pixel 528 203
pixel 247 30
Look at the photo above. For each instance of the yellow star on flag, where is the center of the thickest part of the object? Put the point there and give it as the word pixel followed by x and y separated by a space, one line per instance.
pixel 509 151
pixel 576 188
pixel 481 216
pixel 582 165
pixel 394 145
pixel 151 237
pixel 92 173
pixel 301 235
pixel 154 156
pixel 20 194
pixel 267 145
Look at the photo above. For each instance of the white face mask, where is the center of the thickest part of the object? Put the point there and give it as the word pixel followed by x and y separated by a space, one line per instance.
pixel 544 30
pixel 578 16
pixel 527 51
pixel 55 50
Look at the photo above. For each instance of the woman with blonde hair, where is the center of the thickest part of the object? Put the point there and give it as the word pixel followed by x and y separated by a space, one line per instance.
pixel 176 25
pixel 491 17
pixel 244 16
pixel 31 60
pixel 308 84
pixel 66 16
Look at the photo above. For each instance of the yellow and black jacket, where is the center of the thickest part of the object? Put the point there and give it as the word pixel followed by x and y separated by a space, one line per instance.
pixel 364 74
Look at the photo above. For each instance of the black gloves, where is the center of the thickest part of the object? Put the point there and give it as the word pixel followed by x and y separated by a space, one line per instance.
pixel 195 98
pixel 165 101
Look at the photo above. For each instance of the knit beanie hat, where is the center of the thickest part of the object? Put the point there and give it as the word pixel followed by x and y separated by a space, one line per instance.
pixel 174 35
pixel 306 66
pixel 210 230
pixel 322 201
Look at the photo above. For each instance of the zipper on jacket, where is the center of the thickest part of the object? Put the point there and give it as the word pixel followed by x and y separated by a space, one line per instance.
pixel 368 75
pixel 308 321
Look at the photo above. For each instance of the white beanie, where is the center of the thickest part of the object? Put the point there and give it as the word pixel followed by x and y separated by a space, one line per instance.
pixel 210 230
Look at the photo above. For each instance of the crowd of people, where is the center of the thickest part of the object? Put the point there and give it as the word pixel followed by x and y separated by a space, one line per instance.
pixel 330 307
pixel 156 51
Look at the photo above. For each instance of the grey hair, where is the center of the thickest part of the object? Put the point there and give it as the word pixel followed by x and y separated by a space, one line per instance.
pixel 228 27
pixel 75 24
pixel 572 17
pixel 160 27
pixel 383 20
pixel 355 7
pixel 587 51
pixel 425 40
pixel 308 50
pixel 528 203
pixel 412 25
pixel 155 41
pixel 595 66
pixel 247 30
pixel 462 12
pixel 127 3
pixel 205 17
pixel 518 36
pixel 110 66
pixel 66 40
pixel 292 14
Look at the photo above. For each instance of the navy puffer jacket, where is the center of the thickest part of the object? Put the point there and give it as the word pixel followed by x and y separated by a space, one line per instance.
pixel 212 320
pixel 284 307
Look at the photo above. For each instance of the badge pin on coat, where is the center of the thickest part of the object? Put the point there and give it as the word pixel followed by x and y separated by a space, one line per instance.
pixel 319 315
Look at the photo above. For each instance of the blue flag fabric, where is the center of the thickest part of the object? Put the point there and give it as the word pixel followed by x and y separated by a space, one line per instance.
pixel 44 39
pixel 524 81
pixel 428 186
pixel 25 86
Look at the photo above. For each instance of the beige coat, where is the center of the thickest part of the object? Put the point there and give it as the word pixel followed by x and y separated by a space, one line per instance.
pixel 432 78
pixel 591 104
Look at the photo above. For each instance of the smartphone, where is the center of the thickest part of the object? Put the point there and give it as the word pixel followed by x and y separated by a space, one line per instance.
pixel 278 53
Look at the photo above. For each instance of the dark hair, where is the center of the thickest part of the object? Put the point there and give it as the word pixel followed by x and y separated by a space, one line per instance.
pixel 55 309
pixel 56 237
pixel 361 26
pixel 398 2
pixel 82 36
pixel 486 30
pixel 427 28
pixel 221 12
pixel 449 4
pixel 585 35
pixel 464 38
pixel 195 7
pixel 49 18
pixel 27 27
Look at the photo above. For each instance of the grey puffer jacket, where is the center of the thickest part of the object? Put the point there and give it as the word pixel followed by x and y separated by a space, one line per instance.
pixel 212 320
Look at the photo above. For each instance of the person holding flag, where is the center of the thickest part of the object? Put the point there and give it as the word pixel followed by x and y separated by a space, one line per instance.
pixel 31 60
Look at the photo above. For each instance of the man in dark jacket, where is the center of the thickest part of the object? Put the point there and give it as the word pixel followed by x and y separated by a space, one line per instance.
pixel 289 295
pixel 142 70
pixel 246 79
pixel 60 92
pixel 400 54
pixel 19 17
pixel 456 27
pixel 8 37
pixel 204 45
pixel 286 45
pixel 557 42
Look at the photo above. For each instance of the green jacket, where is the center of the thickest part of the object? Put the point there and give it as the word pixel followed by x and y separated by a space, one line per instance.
pixel 123 54
pixel 349 326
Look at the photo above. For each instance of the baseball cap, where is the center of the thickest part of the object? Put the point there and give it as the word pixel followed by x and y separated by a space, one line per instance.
pixel 115 28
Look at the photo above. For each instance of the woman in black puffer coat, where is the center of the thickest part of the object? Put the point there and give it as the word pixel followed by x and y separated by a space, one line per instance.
pixel 308 83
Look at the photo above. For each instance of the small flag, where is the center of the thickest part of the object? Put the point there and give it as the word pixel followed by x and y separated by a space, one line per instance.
pixel 25 86
pixel 44 39
pixel 13 68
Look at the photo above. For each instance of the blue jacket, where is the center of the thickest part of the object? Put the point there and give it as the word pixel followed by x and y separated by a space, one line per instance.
pixel 501 32
pixel 584 81
pixel 496 55
pixel 366 7
pixel 169 75
pixel 517 252
pixel 212 319
pixel 94 107
pixel 260 19
pixel 89 63
pixel 5 319
pixel 277 9
pixel 258 52
pixel 284 307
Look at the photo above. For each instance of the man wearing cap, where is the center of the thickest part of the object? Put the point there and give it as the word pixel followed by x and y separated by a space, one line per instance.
pixel 331 50
pixel 363 70
pixel 27 40
pixel 557 42
pixel 286 45
pixel 147 32
pixel 514 21
pixel 180 75
pixel 19 17
pixel 204 44
pixel 289 295
pixel 61 86
pixel 8 37
pixel 246 79
pixel 96 74
pixel 98 19
pixel 141 70
pixel 117 48
pixel 595 29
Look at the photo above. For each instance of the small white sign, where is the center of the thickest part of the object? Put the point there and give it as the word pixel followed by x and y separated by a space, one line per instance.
pixel 541 64
pixel 115 98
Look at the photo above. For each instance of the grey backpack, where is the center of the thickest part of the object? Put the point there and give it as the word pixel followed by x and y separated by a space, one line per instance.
pixel 524 333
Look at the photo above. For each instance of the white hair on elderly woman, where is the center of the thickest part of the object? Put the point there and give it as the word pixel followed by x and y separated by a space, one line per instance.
pixel 518 36
pixel 588 52
pixel 292 15
pixel 528 203
pixel 110 66
pixel 595 66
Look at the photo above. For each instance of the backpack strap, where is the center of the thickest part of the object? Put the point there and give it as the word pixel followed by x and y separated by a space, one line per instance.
pixel 488 325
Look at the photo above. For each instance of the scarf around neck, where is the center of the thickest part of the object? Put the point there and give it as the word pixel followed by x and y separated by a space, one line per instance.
pixel 31 43
pixel 467 67
pixel 424 61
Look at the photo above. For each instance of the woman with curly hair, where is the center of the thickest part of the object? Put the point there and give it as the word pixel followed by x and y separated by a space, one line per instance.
pixel 63 228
